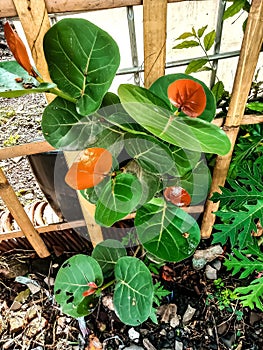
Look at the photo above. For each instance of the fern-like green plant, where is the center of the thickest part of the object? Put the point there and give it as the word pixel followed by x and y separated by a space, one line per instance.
pixel 241 207
pixel 246 263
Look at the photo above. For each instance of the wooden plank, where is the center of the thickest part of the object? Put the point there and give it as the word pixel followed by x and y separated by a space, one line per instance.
pixel 35 22
pixel 17 211
pixel 43 146
pixel 7 8
pixel 42 229
pixel 154 33
pixel 250 50
pixel 25 149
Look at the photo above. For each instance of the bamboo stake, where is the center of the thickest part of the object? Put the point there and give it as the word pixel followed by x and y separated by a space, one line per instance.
pixel 154 28
pixel 249 54
pixel 9 197
pixel 35 22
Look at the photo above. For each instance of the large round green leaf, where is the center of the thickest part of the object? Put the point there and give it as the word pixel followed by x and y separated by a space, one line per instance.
pixel 133 295
pixel 107 253
pixel 160 86
pixel 15 81
pixel 167 231
pixel 72 280
pixel 65 129
pixel 190 133
pixel 82 60
pixel 118 198
pixel 149 152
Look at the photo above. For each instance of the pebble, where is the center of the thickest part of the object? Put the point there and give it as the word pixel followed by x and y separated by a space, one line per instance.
pixel 133 334
pixel 210 272
pixel 178 345
pixel 189 313
pixel 134 347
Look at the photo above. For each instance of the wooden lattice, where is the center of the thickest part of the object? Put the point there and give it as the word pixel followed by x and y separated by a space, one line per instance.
pixel 34 19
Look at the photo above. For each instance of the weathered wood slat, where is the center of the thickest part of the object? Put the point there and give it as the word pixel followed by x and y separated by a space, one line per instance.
pixel 25 149
pixel 247 63
pixel 154 35
pixel 7 8
pixel 43 146
pixel 16 209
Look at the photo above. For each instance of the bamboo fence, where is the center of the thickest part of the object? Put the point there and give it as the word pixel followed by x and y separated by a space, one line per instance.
pixel 35 22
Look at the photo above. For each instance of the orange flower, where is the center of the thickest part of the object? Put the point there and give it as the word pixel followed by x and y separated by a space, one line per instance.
pixel 187 95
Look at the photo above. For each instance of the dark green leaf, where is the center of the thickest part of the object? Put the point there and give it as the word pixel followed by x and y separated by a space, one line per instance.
pixel 151 154
pixel 149 182
pixel 186 44
pixel 9 86
pixel 64 128
pixel 238 226
pixel 252 295
pixel 166 231
pixel 241 262
pixel 234 8
pixel 160 86
pixel 72 280
pixel 107 253
pixel 190 133
pixel 196 65
pixel 133 295
pixel 82 60
pixel 209 40
pixel 218 90
pixel 201 31
pixel 119 197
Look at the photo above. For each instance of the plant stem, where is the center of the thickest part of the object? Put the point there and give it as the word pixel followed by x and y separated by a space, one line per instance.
pixel 58 92
pixel 63 95
pixel 107 285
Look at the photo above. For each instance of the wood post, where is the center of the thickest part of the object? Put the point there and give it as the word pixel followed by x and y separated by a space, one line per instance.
pixel 154 28
pixel 16 209
pixel 247 63
pixel 35 22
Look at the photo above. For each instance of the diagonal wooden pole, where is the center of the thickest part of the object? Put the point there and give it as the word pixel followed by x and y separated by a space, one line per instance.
pixel 35 22
pixel 250 50
pixel 16 209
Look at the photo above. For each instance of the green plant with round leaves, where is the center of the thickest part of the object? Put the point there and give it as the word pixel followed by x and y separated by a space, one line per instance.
pixel 141 153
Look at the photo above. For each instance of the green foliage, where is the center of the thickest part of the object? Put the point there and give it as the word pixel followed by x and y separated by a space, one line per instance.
pixel 223 295
pixel 236 7
pixel 166 231
pixel 153 145
pixel 241 207
pixel 133 294
pixel 248 148
pixel 11 140
pixel 159 293
pixel 246 263
pixel 205 42
pixel 72 280
pixel 15 81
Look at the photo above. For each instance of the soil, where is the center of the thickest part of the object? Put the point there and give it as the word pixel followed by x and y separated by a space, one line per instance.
pixel 31 319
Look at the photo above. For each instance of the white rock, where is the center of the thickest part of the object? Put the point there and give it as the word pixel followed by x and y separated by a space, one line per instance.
pixel 133 334
pixel 210 272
